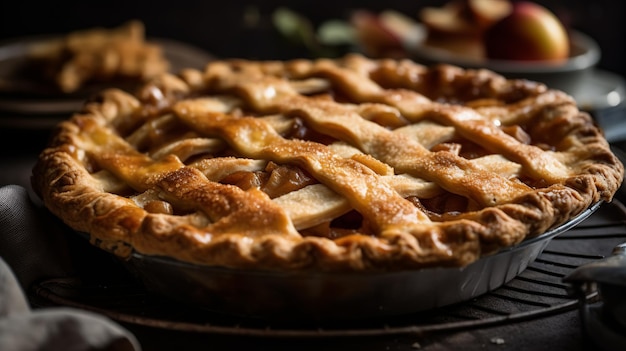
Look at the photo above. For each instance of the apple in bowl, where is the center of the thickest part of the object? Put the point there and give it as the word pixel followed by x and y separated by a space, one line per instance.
pixel 528 41
pixel 530 32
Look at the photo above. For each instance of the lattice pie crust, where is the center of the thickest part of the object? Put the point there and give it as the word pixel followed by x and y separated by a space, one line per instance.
pixel 100 55
pixel 349 164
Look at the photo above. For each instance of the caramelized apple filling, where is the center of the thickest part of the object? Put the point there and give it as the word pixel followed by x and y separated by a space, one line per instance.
pixel 275 180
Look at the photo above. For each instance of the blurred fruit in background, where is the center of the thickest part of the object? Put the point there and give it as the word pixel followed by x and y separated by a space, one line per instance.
pixel 386 34
pixel 476 30
pixel 530 32
pixel 459 25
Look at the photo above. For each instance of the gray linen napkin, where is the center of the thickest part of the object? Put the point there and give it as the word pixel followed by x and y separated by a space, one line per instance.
pixel 29 251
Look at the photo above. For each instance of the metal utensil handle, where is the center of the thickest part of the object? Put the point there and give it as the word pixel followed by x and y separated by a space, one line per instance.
pixel 619 249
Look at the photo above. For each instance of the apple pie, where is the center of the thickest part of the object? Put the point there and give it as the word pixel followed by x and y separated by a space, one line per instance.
pixel 346 164
pixel 99 55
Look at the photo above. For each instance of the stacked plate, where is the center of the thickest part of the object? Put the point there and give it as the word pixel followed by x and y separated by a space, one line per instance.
pixel 26 102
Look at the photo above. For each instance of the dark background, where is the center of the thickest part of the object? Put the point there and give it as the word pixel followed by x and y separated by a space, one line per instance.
pixel 226 29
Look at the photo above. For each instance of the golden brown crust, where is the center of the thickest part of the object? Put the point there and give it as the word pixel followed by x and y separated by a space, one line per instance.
pixel 100 55
pixel 346 164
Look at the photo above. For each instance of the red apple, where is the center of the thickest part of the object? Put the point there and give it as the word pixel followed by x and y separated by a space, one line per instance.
pixel 384 34
pixel 451 19
pixel 372 34
pixel 488 12
pixel 530 32
pixel 401 26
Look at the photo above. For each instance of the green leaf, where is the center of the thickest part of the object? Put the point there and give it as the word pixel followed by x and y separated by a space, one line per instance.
pixel 336 32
